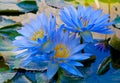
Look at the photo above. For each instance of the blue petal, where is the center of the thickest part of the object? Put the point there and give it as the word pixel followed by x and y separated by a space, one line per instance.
pixel 71 69
pixel 102 18
pixel 24 32
pixel 65 17
pixel 87 36
pixel 52 69
pixel 77 48
pixel 75 63
pixel 23 42
pixel 82 56
pixel 52 24
pixel 44 19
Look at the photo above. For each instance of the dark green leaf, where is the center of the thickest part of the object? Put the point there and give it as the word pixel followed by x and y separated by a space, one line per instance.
pixel 115 55
pixel 8 12
pixel 28 5
pixel 14 26
pixel 115 51
pixel 104 66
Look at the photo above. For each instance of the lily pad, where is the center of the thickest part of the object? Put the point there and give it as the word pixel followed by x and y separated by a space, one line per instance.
pixel 28 6
pixel 5 22
pixel 8 28
pixel 5 76
pixel 117 22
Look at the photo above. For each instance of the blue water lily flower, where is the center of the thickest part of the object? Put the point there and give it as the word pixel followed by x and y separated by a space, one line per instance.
pixel 85 20
pixel 66 54
pixel 35 37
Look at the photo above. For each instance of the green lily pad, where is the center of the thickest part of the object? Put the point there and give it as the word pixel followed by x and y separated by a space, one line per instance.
pixel 16 9
pixel 8 29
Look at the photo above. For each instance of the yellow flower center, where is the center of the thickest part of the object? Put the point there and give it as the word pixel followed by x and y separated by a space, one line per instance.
pixel 61 51
pixel 38 34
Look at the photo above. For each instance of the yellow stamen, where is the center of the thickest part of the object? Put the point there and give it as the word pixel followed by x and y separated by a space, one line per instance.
pixel 61 51
pixel 38 34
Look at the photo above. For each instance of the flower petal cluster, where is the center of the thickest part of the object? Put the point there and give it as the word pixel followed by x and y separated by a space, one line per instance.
pixel 35 36
pixel 85 19
pixel 66 54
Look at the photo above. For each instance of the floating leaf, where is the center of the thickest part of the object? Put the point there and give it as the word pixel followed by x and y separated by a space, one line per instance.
pixel 10 9
pixel 9 31
pixel 28 5
pixel 117 22
pixel 5 22
pixel 104 66
pixel 16 9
